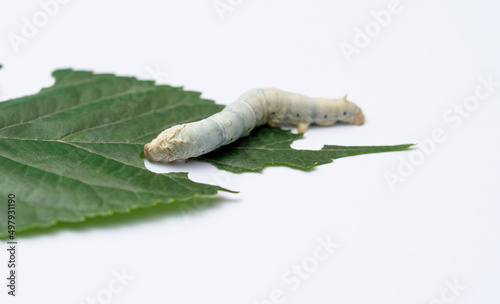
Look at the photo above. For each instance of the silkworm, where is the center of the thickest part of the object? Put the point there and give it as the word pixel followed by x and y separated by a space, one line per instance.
pixel 254 108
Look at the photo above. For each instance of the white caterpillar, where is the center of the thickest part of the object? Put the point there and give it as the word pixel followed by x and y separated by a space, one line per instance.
pixel 254 108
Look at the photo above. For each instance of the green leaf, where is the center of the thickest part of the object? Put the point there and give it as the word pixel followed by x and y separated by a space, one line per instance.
pixel 268 146
pixel 72 151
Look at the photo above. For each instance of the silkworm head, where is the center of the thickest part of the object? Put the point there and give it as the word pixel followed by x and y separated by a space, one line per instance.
pixel 168 146
pixel 350 113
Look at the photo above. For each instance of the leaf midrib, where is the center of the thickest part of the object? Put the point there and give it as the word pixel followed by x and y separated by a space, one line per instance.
pixel 89 184
pixel 84 142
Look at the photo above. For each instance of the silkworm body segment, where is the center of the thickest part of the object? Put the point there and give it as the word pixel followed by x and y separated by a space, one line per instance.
pixel 254 108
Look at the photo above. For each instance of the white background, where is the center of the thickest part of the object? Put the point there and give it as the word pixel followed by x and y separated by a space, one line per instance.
pixel 438 225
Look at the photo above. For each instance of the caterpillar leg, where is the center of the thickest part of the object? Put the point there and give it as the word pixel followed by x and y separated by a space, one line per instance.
pixel 302 127
pixel 273 123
